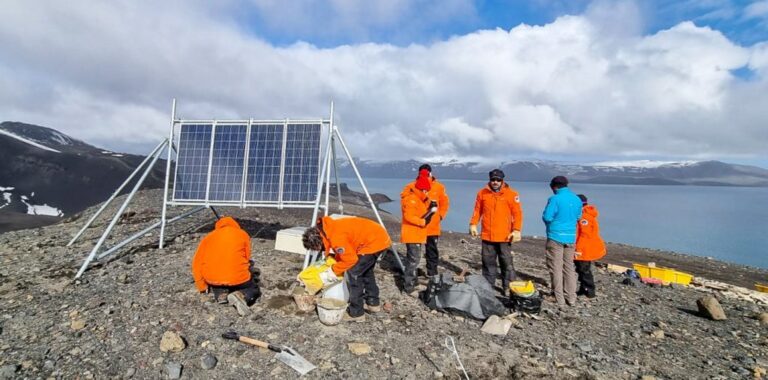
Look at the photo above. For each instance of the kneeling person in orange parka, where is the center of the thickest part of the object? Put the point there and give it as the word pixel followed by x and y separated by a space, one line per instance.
pixel 222 265
pixel 356 244
pixel 589 247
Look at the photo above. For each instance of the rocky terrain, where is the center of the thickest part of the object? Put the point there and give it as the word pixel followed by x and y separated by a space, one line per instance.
pixel 110 323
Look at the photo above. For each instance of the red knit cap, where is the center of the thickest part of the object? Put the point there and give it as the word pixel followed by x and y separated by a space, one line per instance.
pixel 422 181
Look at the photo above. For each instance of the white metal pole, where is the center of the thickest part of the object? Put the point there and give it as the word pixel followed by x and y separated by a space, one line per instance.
pixel 281 190
pixel 320 178
pixel 117 215
pixel 167 175
pixel 365 189
pixel 336 175
pixel 328 170
pixel 114 195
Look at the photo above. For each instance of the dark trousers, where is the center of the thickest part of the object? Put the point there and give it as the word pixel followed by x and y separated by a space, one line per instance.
pixel 586 280
pixel 501 252
pixel 250 289
pixel 413 255
pixel 432 255
pixel 362 284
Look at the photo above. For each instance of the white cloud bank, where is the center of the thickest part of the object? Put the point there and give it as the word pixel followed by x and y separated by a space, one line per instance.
pixel 105 72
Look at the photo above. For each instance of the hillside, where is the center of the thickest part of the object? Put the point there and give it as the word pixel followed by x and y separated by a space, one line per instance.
pixel 109 324
pixel 47 173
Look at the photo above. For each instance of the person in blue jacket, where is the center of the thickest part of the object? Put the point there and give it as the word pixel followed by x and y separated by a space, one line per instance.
pixel 561 216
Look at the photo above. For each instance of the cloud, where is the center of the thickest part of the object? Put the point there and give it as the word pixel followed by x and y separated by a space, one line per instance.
pixel 758 9
pixel 105 72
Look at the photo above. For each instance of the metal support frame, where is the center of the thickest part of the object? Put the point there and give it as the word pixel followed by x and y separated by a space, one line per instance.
pixel 167 173
pixel 120 211
pixel 114 195
pixel 365 189
pixel 336 175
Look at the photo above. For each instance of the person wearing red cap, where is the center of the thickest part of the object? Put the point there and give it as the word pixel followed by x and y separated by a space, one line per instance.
pixel 498 205
pixel 437 194
pixel 417 213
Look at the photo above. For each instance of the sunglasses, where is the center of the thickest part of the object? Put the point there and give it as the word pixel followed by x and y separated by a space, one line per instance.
pixel 496 180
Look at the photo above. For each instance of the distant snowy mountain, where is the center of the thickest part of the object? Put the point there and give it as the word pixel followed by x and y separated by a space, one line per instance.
pixel 714 173
pixel 46 175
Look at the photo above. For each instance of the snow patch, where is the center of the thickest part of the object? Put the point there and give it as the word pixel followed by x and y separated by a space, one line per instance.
pixel 117 155
pixel 30 142
pixel 61 139
pixel 648 164
pixel 6 188
pixel 43 209
pixel 6 199
pixel 24 198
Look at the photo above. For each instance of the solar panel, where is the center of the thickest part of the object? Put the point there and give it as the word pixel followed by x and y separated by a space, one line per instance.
pixel 253 163
pixel 192 162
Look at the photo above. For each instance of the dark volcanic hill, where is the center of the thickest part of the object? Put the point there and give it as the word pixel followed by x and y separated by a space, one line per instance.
pixel 46 172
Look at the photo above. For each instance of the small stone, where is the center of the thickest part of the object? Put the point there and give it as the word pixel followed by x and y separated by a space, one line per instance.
pixel 77 324
pixel 48 365
pixel 387 307
pixel 496 326
pixel 657 334
pixel 8 371
pixel 437 375
pixel 758 372
pixel 174 370
pixel 393 360
pixel 584 346
pixel 130 372
pixel 172 342
pixel 763 318
pixel 208 361
pixel 122 278
pixel 648 377
pixel 359 348
pixel 709 307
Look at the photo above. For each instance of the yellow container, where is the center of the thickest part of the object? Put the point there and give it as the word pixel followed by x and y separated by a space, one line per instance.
pixel 666 275
pixel 761 288
pixel 522 287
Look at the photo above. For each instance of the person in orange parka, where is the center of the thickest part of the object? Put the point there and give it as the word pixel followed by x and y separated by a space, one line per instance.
pixel 589 247
pixel 418 211
pixel 435 193
pixel 355 244
pixel 498 205
pixel 222 264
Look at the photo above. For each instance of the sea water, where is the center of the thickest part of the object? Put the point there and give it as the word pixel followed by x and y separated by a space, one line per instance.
pixel 727 223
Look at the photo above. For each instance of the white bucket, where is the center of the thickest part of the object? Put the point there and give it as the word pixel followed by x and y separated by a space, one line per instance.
pixel 331 310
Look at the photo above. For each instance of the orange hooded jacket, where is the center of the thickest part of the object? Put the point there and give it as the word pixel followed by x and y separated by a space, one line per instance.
pixel 435 193
pixel 350 237
pixel 500 213
pixel 588 240
pixel 414 203
pixel 222 258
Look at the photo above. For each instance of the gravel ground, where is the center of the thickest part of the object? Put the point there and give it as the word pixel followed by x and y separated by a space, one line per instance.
pixel 110 324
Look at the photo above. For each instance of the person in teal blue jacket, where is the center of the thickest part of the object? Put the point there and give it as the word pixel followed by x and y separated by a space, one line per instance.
pixel 561 216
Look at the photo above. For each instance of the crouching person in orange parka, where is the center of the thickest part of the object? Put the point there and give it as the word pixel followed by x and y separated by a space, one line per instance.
pixel 222 265
pixel 589 247
pixel 355 244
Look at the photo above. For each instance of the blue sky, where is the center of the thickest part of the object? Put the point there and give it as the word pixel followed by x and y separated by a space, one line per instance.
pixel 577 80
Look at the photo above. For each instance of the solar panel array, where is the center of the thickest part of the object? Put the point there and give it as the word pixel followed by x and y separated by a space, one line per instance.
pixel 241 163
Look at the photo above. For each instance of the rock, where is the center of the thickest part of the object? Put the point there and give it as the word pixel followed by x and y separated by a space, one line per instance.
pixel 387 307
pixel 584 346
pixel 77 324
pixel 359 348
pixel 122 278
pixel 130 372
pixel 208 361
pixel 758 372
pixel 393 360
pixel 8 371
pixel 709 307
pixel 437 375
pixel 174 370
pixel 496 326
pixel 763 318
pixel 657 334
pixel 172 342
pixel 648 377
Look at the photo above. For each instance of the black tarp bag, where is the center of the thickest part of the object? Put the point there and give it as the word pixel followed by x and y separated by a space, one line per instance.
pixel 474 298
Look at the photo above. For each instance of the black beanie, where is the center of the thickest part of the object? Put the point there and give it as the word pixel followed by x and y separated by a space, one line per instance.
pixel 496 173
pixel 425 166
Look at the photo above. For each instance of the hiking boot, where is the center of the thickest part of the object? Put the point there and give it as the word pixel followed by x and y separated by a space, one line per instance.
pixel 237 299
pixel 349 318
pixel 372 308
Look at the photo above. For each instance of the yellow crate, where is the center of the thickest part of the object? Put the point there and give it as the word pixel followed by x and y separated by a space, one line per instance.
pixel 761 288
pixel 666 275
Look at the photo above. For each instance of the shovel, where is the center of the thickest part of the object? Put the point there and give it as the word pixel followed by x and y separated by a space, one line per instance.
pixel 284 354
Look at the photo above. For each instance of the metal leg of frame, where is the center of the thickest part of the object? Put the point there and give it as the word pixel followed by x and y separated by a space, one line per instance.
pixel 144 231
pixel 167 176
pixel 114 195
pixel 118 214
pixel 308 255
pixel 367 194
pixel 336 175
pixel 215 213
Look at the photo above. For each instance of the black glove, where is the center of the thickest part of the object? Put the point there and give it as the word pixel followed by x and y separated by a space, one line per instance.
pixel 428 218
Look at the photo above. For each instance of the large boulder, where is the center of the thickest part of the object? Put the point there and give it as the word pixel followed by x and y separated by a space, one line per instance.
pixel 709 307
